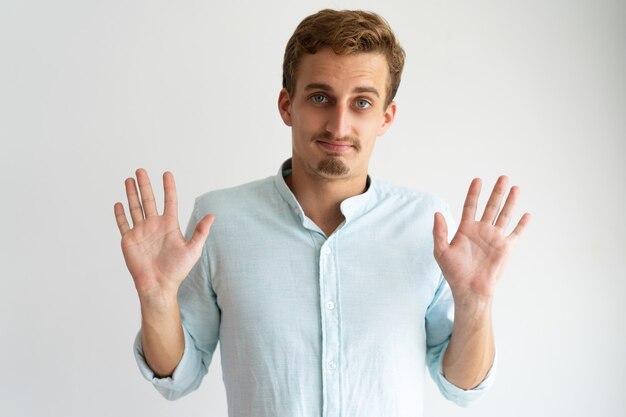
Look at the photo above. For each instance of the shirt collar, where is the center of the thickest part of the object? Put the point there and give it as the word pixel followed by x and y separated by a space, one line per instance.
pixel 350 207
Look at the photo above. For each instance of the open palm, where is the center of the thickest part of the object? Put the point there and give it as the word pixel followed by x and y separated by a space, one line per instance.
pixel 155 251
pixel 475 258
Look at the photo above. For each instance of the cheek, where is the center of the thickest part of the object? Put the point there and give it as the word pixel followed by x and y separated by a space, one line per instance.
pixel 368 126
pixel 311 125
pixel 302 120
pixel 303 129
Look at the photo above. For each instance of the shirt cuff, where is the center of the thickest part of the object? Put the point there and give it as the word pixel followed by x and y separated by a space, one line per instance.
pixel 184 377
pixel 462 396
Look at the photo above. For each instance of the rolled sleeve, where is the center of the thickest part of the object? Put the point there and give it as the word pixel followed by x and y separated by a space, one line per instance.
pixel 439 322
pixel 460 396
pixel 200 317
pixel 185 378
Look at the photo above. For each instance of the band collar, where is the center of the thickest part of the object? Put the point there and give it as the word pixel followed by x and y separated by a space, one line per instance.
pixel 350 207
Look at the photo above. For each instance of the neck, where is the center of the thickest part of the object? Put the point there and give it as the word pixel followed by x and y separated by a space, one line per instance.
pixel 321 197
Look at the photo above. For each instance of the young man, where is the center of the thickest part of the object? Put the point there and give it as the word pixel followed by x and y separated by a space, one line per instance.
pixel 320 283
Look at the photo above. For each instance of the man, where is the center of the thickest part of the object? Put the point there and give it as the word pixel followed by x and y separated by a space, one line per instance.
pixel 320 282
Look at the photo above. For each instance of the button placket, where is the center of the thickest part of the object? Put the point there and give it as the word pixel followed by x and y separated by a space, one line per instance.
pixel 330 315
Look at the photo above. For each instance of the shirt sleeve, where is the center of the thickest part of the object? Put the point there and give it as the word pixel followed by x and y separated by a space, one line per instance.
pixel 200 316
pixel 439 322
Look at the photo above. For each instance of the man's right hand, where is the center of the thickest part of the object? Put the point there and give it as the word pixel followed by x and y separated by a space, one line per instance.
pixel 155 251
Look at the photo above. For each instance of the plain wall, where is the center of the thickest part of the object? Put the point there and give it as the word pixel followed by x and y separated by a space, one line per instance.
pixel 91 90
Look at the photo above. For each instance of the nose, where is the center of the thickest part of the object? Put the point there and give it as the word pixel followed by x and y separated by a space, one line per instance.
pixel 339 123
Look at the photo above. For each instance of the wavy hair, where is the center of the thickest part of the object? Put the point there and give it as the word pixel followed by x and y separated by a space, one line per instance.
pixel 345 32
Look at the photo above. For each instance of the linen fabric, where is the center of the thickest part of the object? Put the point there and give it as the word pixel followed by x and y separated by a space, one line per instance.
pixel 312 325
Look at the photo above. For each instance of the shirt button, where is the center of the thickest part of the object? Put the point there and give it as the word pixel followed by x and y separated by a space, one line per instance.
pixel 326 250
pixel 330 305
pixel 332 365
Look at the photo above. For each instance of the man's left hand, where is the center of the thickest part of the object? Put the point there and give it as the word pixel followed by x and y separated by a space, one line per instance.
pixel 475 258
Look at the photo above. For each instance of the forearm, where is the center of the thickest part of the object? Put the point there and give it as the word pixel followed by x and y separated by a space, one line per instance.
pixel 470 353
pixel 162 337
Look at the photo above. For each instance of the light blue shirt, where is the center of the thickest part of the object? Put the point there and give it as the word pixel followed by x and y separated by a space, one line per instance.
pixel 310 325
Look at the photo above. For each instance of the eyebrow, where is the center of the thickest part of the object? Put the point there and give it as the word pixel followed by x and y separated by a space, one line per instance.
pixel 326 87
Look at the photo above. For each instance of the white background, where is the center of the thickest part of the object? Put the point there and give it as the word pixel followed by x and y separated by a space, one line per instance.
pixel 91 90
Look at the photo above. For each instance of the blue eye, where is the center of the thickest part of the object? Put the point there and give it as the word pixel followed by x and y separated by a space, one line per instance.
pixel 362 104
pixel 318 98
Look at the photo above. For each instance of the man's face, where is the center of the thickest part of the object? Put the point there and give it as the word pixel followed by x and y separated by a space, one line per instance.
pixel 336 112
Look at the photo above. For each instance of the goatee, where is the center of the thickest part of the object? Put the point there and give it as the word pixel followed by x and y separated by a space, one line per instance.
pixel 333 166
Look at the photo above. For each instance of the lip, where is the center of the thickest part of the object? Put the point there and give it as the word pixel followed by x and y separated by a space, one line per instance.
pixel 334 146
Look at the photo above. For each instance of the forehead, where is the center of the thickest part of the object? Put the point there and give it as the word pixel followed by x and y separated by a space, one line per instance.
pixel 366 69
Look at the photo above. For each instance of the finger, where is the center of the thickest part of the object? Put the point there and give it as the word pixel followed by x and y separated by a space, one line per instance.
pixel 201 233
pixel 504 218
pixel 495 199
pixel 519 229
pixel 471 200
pixel 120 218
pixel 440 234
pixel 136 212
pixel 147 196
pixel 171 199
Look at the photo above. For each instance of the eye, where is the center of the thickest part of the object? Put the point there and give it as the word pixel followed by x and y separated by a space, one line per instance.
pixel 362 104
pixel 318 98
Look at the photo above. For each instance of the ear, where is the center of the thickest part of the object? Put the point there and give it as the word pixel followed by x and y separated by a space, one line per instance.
pixel 388 118
pixel 284 106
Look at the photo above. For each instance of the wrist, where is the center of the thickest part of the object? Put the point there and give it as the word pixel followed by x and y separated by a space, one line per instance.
pixel 472 308
pixel 158 302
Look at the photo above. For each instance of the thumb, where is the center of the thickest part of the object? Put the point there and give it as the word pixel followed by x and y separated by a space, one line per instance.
pixel 440 234
pixel 201 232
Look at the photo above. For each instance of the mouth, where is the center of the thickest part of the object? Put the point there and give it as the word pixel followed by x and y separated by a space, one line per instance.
pixel 336 147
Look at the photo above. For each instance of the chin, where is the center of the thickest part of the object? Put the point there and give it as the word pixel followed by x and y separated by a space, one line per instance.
pixel 333 167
